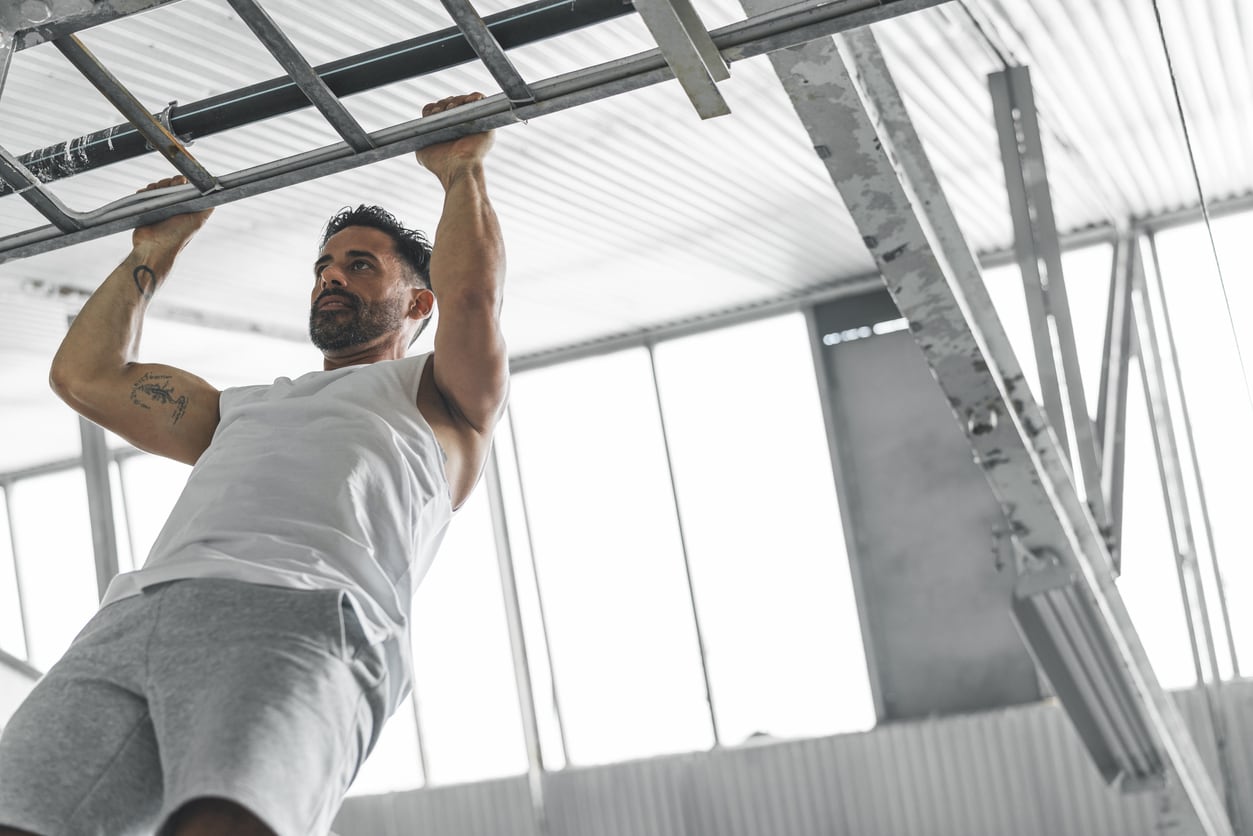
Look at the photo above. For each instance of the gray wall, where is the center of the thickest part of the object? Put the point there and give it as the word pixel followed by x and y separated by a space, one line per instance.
pixel 1013 772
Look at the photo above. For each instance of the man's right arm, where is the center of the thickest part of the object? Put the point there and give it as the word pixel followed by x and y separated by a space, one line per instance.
pixel 157 408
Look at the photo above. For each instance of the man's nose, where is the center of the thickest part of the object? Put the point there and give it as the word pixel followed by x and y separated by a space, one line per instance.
pixel 332 276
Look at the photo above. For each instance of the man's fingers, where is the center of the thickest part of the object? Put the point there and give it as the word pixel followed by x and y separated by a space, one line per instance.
pixel 451 102
pixel 178 180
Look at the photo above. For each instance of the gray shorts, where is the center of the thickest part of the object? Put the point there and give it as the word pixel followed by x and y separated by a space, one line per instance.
pixel 267 696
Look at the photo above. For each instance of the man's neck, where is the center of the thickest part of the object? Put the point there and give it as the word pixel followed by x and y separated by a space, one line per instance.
pixel 361 355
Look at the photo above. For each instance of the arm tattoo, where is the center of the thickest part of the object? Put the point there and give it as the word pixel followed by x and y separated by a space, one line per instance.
pixel 157 388
pixel 145 280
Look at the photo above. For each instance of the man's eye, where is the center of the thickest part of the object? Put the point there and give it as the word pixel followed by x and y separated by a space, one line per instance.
pixel 360 264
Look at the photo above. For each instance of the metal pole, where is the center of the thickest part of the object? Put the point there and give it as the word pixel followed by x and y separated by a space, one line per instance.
pixel 17 568
pixel 539 592
pixel 126 514
pixel 417 730
pixel 517 641
pixel 687 562
pixel 1111 411
pixel 1159 290
pixel 1191 585
pixel 99 501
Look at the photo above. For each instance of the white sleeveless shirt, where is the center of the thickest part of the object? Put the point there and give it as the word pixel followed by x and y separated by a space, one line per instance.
pixel 333 480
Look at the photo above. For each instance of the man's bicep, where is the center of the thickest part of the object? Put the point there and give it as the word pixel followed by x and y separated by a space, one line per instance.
pixel 160 409
pixel 471 362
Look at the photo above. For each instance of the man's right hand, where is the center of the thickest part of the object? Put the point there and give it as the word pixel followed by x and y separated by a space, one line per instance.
pixel 172 234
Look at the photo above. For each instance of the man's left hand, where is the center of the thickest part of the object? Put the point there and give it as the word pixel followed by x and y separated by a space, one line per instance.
pixel 447 158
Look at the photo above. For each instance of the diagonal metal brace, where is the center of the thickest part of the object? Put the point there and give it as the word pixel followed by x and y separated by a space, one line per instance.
pixel 689 50
pixel 130 107
pixel 489 51
pixel 33 192
pixel 310 83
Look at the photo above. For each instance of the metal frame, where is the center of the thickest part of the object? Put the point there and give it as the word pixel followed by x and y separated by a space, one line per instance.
pixel 1111 410
pixel 1067 602
pixel 755 36
pixel 99 502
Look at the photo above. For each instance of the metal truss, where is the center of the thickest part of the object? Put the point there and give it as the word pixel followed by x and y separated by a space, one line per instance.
pixel 690 58
pixel 1066 601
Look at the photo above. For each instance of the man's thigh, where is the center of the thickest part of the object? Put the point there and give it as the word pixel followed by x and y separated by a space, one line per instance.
pixel 79 757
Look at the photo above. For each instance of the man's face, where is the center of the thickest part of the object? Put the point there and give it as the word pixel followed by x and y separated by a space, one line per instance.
pixel 360 291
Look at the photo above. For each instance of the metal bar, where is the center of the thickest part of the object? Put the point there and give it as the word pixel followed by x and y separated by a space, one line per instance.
pixel 701 39
pixel 539 592
pixel 59 18
pixel 1191 585
pixel 858 124
pixel 1034 284
pixel 309 82
pixel 737 41
pixel 17 569
pixel 33 192
pixel 158 135
pixel 20 666
pixel 423 761
pixel 1159 290
pixel 355 74
pixel 6 58
pixel 517 639
pixel 99 502
pixel 1040 260
pixel 489 51
pixel 1111 410
pixel 61 465
pixel 687 560
pixel 127 517
pixel 685 59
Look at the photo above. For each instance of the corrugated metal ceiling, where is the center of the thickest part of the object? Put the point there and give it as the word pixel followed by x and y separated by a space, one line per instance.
pixel 631 212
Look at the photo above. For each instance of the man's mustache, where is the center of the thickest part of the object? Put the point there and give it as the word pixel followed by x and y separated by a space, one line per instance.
pixel 349 298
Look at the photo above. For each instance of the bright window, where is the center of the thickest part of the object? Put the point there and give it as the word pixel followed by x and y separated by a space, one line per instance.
pixel 56 560
pixel 762 525
pixel 463 668
pixel 394 765
pixel 609 559
pixel 152 484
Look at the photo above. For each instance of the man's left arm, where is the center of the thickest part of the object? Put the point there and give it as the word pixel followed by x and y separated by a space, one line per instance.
pixel 467 276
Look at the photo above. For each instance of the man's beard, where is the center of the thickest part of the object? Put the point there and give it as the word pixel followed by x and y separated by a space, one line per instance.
pixel 362 322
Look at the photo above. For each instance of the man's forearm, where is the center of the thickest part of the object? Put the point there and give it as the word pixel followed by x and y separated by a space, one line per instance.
pixel 469 255
pixel 105 334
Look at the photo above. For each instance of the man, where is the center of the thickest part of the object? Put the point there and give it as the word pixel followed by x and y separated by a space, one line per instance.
pixel 236 682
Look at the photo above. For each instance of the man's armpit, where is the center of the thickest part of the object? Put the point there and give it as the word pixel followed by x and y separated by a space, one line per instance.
pixel 158 390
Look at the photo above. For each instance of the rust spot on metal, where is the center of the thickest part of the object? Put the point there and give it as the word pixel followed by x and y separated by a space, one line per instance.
pixel 891 255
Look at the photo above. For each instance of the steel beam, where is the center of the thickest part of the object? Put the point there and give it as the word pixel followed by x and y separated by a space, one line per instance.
pixel 489 50
pixel 738 41
pixel 517 640
pixel 23 615
pixel 689 51
pixel 33 23
pixel 1111 410
pixel 33 192
pixel 857 123
pixel 1040 261
pixel 99 502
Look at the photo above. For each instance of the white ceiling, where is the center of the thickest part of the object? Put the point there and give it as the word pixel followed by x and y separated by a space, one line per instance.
pixel 631 212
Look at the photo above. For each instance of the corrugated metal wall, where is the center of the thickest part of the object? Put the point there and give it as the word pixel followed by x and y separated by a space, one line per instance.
pixel 1020 771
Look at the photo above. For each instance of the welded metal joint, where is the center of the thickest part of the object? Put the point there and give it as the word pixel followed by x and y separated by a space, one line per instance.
pixel 690 52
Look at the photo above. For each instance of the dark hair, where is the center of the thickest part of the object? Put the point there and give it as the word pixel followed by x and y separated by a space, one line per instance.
pixel 411 245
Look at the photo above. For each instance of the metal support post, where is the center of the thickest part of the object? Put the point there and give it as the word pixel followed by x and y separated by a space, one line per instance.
pixel 17 569
pixel 1111 410
pixel 517 642
pixel 1153 278
pixel 1040 261
pixel 1178 515
pixel 33 192
pixel 99 502
pixel 1068 604
pixel 687 561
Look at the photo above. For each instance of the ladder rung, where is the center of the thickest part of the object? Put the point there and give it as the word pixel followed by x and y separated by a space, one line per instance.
pixel 301 72
pixel 489 51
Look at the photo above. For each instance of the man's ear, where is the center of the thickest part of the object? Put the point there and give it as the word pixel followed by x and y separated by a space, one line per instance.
pixel 422 302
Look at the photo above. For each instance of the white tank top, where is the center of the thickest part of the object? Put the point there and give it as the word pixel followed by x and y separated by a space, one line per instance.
pixel 333 480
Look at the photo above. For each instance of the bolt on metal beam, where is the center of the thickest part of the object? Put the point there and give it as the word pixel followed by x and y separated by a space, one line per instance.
pixel 857 122
pixel 489 50
pixel 157 134
pixel 310 83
